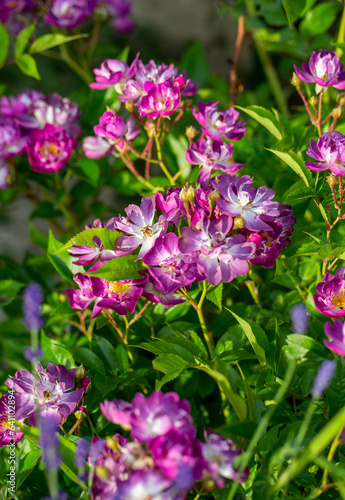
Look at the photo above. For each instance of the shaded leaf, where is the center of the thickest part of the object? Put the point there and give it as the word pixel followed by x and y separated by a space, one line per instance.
pixel 51 40
pixel 85 238
pixel 120 268
pixel 296 163
pixel 4 44
pixel 265 117
pixel 27 65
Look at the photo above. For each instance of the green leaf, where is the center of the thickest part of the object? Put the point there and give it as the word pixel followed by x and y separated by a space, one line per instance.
pixel 90 168
pixel 87 358
pixel 293 9
pixel 253 332
pixel 63 264
pixel 121 268
pixel 37 237
pixel 265 117
pixel 105 351
pixel 26 465
pixel 85 238
pixel 23 39
pixel 170 364
pixel 4 44
pixel 319 19
pixel 168 346
pixel 296 163
pixel 297 192
pixel 215 295
pixel 9 290
pixel 298 346
pixel 51 40
pixel 27 65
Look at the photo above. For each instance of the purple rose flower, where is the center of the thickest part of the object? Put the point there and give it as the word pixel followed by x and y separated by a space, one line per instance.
pixel 212 155
pixel 323 378
pixel 329 151
pixel 220 454
pixel 324 69
pixel 160 99
pixel 4 174
pixel 69 13
pixel 171 205
pixel 119 11
pixel 143 484
pixel 151 417
pixel 114 72
pixel 49 149
pixel 336 332
pixel 119 296
pixel 152 294
pixel 138 228
pixel 9 433
pixel 47 392
pixel 11 141
pixel 96 147
pixel 32 306
pixel 86 254
pixel 22 104
pixel 219 125
pixel 239 198
pixel 330 297
pixel 172 271
pixel 219 258
pixel 111 126
pixel 55 110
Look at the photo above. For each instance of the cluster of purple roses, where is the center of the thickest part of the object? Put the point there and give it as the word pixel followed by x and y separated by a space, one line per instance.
pixel 229 225
pixel 45 127
pixel 66 13
pixel 48 394
pixel 163 459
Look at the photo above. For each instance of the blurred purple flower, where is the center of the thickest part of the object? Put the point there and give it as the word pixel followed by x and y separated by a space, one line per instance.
pixel 11 140
pixel 32 306
pixel 111 126
pixel 299 318
pixel 114 72
pixel 69 13
pixel 96 147
pixel 119 11
pixel 323 378
pixel 4 174
pixel 32 355
pixel 324 69
pixel 336 332
pixel 49 442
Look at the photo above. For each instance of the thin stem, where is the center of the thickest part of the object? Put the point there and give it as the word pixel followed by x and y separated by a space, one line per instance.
pixel 264 422
pixel 131 167
pixel 305 424
pixel 177 175
pixel 341 34
pixel 319 114
pixel 207 335
pixel 331 454
pixel 161 163
pixel 241 34
pixel 306 105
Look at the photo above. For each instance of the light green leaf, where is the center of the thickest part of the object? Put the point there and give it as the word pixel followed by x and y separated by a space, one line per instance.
pixel 170 364
pixel 23 39
pixel 252 331
pixel 4 44
pixel 118 269
pixel 27 65
pixel 51 40
pixel 320 18
pixel 265 117
pixel 85 238
pixel 296 163
pixel 293 9
pixel 215 295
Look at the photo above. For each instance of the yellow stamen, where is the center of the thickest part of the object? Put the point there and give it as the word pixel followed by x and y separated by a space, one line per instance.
pixel 119 288
pixel 339 299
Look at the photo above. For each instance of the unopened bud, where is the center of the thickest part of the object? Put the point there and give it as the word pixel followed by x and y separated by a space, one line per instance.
pixel 337 112
pixel 151 129
pixel 80 372
pixel 101 471
pixel 121 146
pixel 191 132
pixel 183 195
pixel 238 223
pixel 295 80
pixel 191 193
pixel 80 413
pixel 129 106
pixel 341 100
pixel 213 197
pixel 313 101
pixel 331 181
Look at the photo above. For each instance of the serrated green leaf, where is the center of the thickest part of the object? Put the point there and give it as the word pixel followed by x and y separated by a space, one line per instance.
pixel 264 117
pixel 27 65
pixel 51 40
pixel 215 295
pixel 23 39
pixel 293 9
pixel 29 460
pixel 4 44
pixel 296 163
pixel 168 346
pixel 120 268
pixel 298 346
pixel 323 212
pixel 85 238
pixel 253 331
pixel 298 194
pixel 87 358
pixel 170 364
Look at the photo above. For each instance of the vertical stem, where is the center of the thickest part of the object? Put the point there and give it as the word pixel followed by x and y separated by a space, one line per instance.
pixel 207 335
pixel 161 163
pixel 341 34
